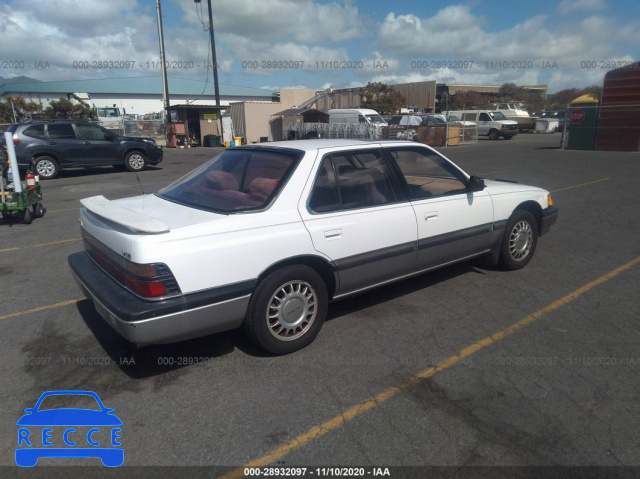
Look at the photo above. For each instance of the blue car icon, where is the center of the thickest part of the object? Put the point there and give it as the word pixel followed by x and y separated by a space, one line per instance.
pixel 65 432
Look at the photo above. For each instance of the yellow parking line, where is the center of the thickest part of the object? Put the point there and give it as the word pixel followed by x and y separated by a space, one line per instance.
pixel 56 242
pixel 359 409
pixel 42 308
pixel 583 184
pixel 41 244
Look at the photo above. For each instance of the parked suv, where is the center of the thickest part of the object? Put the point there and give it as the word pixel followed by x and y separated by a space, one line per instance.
pixel 47 146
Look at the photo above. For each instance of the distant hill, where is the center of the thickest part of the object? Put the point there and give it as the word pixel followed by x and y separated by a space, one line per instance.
pixel 20 79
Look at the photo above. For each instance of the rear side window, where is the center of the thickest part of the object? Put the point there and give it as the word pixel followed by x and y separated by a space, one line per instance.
pixel 236 180
pixel 35 131
pixel 61 131
pixel 352 180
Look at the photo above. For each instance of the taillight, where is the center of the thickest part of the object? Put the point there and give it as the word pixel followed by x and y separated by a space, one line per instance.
pixel 146 280
pixel 148 289
pixel 15 142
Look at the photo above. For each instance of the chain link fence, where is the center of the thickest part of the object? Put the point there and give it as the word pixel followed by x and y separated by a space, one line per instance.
pixel 304 131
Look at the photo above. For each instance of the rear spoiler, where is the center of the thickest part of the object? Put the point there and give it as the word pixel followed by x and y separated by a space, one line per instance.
pixel 136 222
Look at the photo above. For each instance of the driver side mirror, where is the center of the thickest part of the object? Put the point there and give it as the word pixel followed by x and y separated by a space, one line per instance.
pixel 476 184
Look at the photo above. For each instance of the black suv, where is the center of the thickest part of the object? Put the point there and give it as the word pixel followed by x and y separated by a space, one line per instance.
pixel 47 146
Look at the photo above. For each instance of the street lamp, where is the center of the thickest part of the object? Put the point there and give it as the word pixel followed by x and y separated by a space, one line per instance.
pixel 215 66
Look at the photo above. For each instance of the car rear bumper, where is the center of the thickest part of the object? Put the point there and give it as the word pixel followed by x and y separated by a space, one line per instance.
pixel 548 218
pixel 165 321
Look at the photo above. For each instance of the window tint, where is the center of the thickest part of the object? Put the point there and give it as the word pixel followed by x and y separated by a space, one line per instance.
pixel 363 180
pixel 35 131
pixel 90 132
pixel 484 117
pixel 324 195
pixel 236 180
pixel 60 131
pixel 427 174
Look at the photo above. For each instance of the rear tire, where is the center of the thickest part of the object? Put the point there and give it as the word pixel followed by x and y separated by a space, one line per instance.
pixel 46 167
pixel 39 210
pixel 287 310
pixel 519 241
pixel 26 216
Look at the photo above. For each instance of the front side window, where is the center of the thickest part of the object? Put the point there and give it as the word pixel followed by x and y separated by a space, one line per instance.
pixel 61 131
pixel 428 174
pixel 90 132
pixel 234 181
pixel 484 117
pixel 375 119
pixel 108 112
pixel 497 116
pixel 352 180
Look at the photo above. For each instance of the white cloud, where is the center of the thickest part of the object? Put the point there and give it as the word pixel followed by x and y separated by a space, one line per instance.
pixel 265 20
pixel 569 6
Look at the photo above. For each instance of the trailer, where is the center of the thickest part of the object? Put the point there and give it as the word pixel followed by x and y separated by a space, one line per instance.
pixel 16 196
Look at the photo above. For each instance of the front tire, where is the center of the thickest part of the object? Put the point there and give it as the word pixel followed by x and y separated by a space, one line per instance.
pixel 46 167
pixel 287 310
pixel 135 161
pixel 519 241
pixel 494 135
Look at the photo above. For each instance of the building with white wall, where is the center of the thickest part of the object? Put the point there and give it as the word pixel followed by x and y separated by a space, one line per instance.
pixel 137 95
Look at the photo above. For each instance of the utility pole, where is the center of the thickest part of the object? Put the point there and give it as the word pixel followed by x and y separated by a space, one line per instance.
pixel 215 66
pixel 165 85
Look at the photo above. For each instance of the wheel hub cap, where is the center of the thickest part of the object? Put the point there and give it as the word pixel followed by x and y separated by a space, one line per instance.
pixel 520 241
pixel 291 310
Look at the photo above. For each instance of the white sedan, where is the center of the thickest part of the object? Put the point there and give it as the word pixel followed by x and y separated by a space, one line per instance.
pixel 264 236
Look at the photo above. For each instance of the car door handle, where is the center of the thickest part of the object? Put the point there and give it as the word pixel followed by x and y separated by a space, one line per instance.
pixel 431 215
pixel 333 234
pixel 86 142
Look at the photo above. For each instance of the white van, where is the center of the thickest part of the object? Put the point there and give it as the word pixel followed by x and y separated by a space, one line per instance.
pixel 357 116
pixel 490 123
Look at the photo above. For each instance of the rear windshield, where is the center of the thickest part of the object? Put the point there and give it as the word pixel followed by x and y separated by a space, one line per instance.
pixel 236 180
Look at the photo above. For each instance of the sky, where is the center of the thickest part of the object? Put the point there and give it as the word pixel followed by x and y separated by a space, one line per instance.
pixel 277 44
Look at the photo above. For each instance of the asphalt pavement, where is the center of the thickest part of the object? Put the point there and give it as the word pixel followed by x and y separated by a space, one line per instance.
pixel 460 368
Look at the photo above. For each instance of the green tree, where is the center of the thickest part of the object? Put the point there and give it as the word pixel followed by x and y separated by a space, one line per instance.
pixel 18 106
pixel 382 98
pixel 63 108
pixel 511 92
pixel 560 100
pixel 467 100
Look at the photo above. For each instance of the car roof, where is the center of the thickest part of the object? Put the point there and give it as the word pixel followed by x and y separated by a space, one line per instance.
pixel 314 145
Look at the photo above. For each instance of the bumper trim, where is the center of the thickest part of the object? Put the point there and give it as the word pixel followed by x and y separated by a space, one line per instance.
pixel 549 217
pixel 142 322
